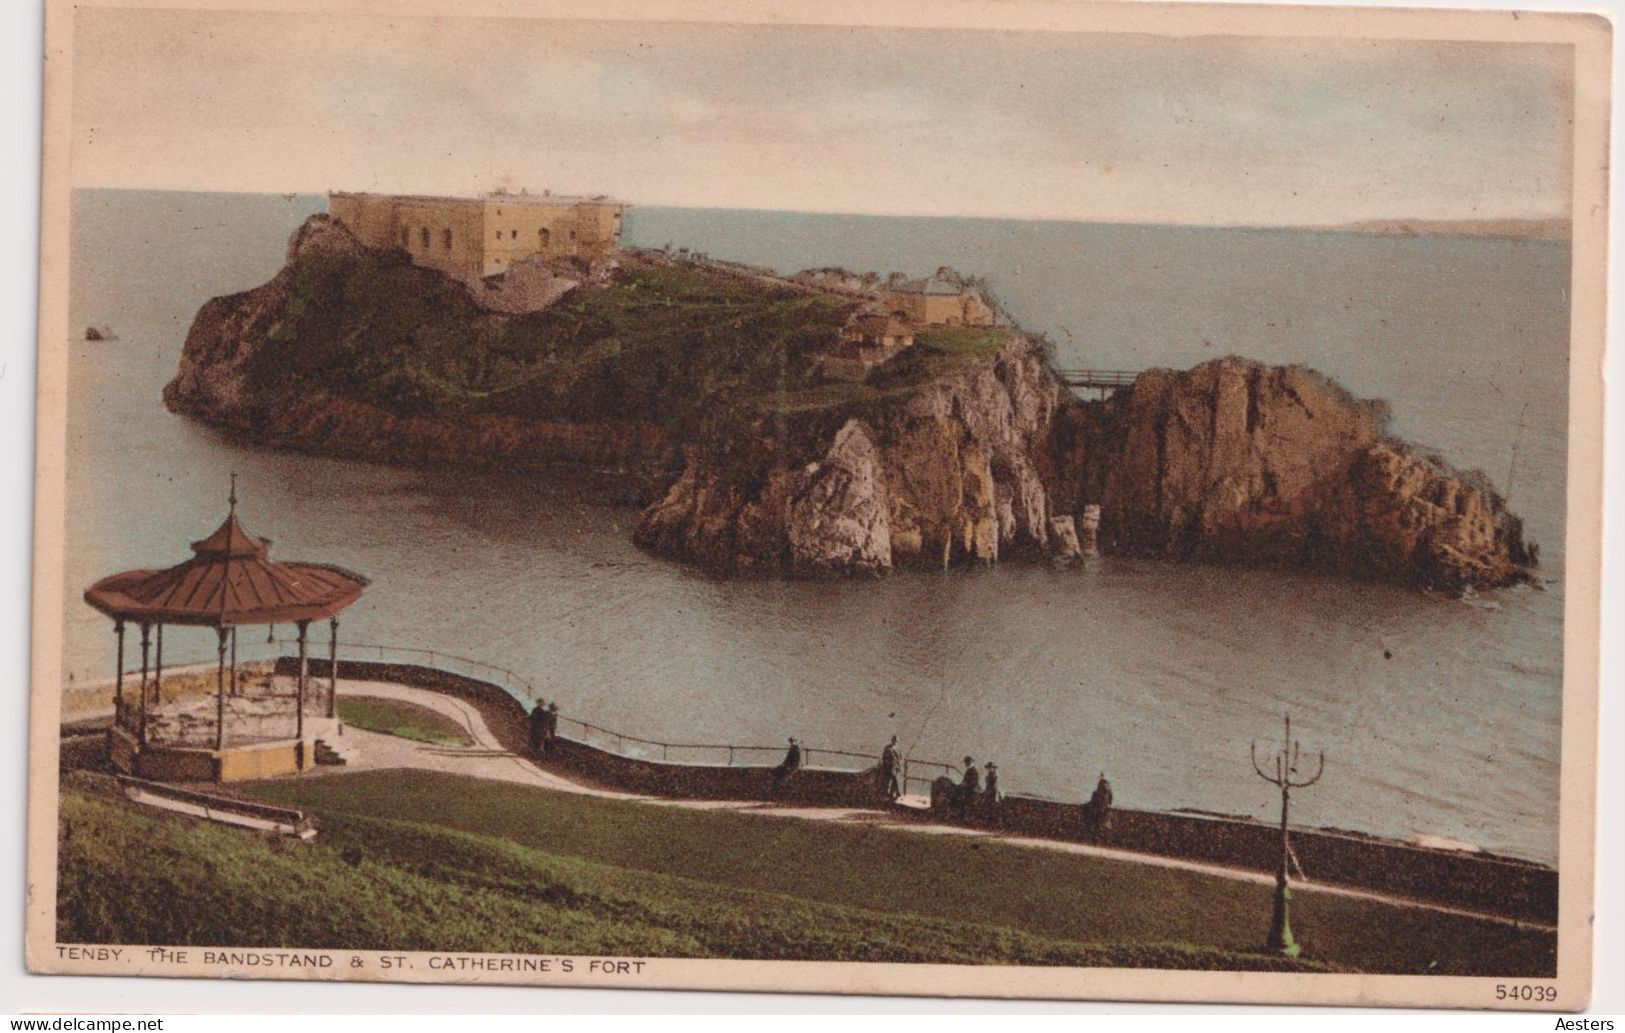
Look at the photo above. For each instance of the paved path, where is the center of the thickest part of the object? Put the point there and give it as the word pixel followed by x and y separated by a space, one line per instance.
pixel 487 758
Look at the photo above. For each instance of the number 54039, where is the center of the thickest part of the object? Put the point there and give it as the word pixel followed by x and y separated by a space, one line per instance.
pixel 1524 992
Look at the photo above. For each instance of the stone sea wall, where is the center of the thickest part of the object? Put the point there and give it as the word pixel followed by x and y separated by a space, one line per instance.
pixel 1503 886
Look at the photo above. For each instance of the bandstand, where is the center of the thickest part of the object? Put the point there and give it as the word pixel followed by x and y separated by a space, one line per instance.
pixel 248 728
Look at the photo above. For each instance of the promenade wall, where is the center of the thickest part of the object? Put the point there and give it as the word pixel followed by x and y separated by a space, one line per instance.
pixel 1457 878
pixel 1473 881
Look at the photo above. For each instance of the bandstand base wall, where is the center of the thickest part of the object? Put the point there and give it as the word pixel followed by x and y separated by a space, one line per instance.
pixel 194 764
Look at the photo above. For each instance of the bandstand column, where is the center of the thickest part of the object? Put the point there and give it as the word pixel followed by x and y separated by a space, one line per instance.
pixel 146 643
pixel 332 667
pixel 234 661
pixel 118 677
pixel 158 671
pixel 220 694
pixel 304 673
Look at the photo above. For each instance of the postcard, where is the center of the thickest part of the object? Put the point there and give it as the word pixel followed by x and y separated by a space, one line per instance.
pixel 921 498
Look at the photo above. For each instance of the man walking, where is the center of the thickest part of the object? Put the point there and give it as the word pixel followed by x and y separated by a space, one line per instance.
pixel 891 770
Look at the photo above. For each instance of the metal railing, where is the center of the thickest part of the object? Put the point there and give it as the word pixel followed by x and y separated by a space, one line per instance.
pixel 914 783
pixel 269 649
pixel 635 746
pixel 639 748
pixel 516 685
pixel 1103 380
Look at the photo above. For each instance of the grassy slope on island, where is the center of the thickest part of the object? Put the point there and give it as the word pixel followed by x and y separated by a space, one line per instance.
pixel 1040 892
pixel 407 720
pixel 696 352
pixel 936 353
pixel 133 875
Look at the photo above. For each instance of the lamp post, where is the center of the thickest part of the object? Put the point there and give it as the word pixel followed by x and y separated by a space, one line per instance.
pixel 1286 779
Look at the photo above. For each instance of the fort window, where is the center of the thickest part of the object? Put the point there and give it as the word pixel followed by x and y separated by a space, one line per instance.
pixel 499 234
pixel 423 236
pixel 572 234
pixel 445 237
pixel 513 234
pixel 406 236
pixel 547 238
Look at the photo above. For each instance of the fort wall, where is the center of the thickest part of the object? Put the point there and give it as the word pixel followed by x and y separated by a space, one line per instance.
pixel 471 238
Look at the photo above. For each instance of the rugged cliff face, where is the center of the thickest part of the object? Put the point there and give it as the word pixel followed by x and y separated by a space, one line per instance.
pixel 213 384
pixel 981 457
pixel 1238 461
pixel 1232 461
pixel 948 473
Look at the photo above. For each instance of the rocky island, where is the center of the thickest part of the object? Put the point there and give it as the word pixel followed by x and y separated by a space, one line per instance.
pixel 788 426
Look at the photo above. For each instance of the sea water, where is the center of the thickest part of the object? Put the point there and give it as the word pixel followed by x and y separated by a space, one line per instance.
pixel 1438 716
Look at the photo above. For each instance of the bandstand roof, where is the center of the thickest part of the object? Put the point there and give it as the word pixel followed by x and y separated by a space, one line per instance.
pixel 229 581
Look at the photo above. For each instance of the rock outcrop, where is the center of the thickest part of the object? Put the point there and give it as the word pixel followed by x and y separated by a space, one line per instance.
pixel 1237 461
pixel 529 285
pixel 211 383
pixel 634 458
pixel 1232 461
pixel 948 473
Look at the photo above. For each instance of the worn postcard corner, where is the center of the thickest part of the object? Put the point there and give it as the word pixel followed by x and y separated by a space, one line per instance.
pixel 835 498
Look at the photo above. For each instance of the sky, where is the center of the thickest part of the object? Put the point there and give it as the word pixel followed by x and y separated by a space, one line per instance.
pixel 1069 125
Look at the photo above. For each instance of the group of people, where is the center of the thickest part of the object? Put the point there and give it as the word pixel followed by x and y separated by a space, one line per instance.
pixel 975 795
pixel 544 726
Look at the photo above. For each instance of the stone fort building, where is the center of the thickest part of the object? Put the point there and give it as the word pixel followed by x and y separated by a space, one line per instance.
pixel 470 238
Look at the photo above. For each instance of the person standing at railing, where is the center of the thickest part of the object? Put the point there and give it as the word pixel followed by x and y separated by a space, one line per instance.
pixel 790 763
pixel 990 792
pixel 891 770
pixel 538 727
pixel 550 725
pixel 970 787
pixel 1097 813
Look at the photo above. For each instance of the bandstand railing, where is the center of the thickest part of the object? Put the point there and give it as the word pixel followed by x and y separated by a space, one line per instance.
pixel 253 714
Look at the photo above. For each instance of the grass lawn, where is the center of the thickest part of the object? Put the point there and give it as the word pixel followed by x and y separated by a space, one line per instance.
pixel 407 720
pixel 1040 893
pixel 133 875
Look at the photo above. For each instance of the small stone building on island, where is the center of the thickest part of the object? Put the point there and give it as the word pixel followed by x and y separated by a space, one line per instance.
pixel 872 338
pixel 470 238
pixel 936 302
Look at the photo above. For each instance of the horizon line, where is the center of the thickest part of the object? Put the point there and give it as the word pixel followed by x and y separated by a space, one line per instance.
pixel 1367 225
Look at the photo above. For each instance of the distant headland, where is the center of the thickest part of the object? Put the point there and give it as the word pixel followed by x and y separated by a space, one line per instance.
pixel 1533 229
pixel 829 422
